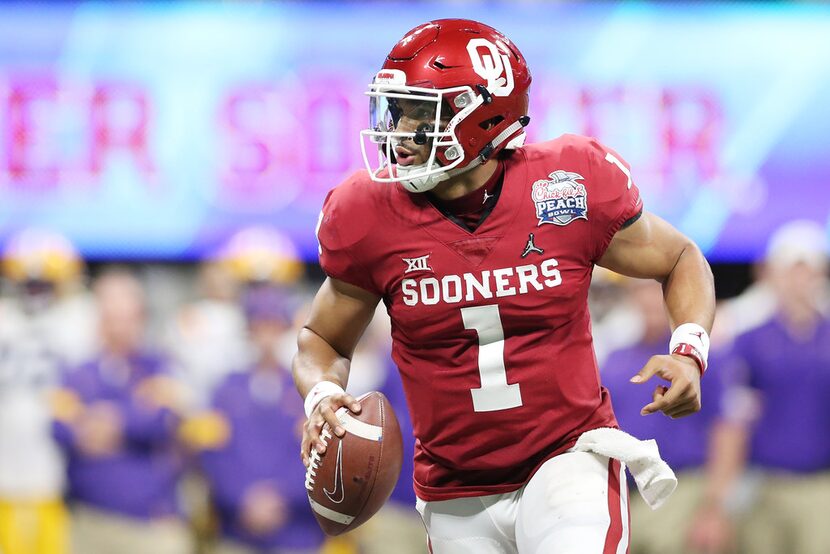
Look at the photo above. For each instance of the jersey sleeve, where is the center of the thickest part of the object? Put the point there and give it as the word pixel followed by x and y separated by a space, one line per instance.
pixel 341 233
pixel 613 198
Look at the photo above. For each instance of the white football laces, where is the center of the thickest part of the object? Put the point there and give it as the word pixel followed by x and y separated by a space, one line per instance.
pixel 314 462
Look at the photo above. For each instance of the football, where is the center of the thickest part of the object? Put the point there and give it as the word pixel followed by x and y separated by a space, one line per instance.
pixel 350 482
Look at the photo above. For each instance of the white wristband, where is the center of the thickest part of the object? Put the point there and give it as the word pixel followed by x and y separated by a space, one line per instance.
pixel 694 335
pixel 318 392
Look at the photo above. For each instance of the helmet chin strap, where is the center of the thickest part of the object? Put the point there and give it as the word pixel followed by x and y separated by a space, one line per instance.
pixel 426 183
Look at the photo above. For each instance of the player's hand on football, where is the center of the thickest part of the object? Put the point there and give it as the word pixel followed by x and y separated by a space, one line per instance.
pixel 682 396
pixel 325 413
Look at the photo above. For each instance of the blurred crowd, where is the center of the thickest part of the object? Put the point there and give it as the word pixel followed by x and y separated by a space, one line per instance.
pixel 152 409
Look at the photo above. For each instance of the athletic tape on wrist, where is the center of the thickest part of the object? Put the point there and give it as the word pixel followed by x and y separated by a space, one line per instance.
pixel 695 336
pixel 318 392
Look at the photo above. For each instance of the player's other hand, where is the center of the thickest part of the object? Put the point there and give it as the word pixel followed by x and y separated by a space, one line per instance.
pixel 324 413
pixel 682 396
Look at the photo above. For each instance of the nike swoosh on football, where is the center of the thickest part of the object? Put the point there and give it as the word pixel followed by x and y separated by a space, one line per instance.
pixel 338 477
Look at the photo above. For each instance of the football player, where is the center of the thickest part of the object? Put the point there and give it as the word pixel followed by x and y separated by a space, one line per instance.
pixel 482 250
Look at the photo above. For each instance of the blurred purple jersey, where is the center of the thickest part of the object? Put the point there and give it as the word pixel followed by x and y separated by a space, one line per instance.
pixel 140 480
pixel 264 414
pixel 792 377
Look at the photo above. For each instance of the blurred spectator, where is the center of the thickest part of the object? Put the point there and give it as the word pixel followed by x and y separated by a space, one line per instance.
pixel 254 469
pixel 777 415
pixel 46 322
pixel 682 442
pixel 207 337
pixel 118 424
pixel 263 255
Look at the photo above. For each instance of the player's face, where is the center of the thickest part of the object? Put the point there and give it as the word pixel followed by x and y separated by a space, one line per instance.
pixel 414 116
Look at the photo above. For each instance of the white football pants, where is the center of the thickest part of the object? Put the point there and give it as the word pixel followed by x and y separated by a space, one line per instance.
pixel 576 503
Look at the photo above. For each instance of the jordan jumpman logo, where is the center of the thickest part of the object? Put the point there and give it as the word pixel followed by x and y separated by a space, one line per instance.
pixel 487 197
pixel 531 247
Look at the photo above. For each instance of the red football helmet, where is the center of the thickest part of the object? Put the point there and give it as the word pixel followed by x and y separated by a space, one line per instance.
pixel 474 81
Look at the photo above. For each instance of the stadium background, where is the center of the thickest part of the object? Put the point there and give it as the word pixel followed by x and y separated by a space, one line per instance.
pixel 162 136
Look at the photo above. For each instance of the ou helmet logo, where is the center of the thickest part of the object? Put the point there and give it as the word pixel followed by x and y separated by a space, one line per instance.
pixel 493 65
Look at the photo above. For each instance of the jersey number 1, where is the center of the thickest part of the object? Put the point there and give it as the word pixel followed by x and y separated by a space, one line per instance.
pixel 495 394
pixel 609 157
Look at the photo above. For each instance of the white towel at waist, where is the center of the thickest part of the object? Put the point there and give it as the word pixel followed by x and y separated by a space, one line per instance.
pixel 653 476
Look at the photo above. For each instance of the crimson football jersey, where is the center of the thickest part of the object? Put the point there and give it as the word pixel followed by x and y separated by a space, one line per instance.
pixel 490 327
